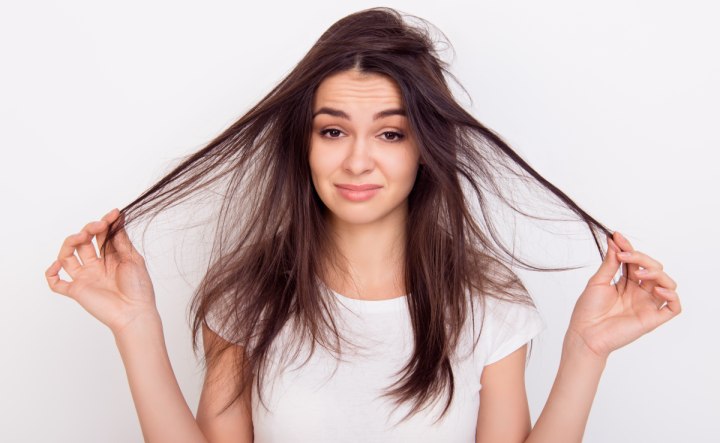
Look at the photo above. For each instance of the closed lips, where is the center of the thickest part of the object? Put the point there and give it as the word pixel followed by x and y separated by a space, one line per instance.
pixel 359 187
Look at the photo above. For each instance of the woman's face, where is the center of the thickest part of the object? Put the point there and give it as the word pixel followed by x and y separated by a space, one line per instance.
pixel 363 158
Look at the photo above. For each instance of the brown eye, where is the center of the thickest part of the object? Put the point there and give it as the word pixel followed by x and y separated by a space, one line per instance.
pixel 334 132
pixel 393 136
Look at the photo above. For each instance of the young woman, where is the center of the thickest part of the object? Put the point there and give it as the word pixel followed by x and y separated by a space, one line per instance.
pixel 354 293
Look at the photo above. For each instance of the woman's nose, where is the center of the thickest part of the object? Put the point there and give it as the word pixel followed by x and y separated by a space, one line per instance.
pixel 359 157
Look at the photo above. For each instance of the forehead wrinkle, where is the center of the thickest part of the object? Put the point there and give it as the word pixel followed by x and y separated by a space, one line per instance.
pixel 342 91
pixel 385 113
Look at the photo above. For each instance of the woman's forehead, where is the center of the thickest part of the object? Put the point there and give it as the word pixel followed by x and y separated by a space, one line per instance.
pixel 354 89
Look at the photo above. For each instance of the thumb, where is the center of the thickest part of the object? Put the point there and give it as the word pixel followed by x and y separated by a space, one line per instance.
pixel 121 241
pixel 608 267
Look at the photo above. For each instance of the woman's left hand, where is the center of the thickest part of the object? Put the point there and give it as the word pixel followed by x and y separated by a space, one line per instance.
pixel 607 316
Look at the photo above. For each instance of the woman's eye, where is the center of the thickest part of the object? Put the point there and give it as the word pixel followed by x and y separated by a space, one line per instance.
pixel 334 132
pixel 393 136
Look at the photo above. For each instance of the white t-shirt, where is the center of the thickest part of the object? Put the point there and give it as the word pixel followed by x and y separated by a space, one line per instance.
pixel 330 401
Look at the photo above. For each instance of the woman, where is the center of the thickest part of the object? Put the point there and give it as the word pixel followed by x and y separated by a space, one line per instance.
pixel 347 222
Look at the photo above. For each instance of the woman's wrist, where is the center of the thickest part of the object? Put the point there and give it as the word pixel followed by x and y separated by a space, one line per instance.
pixel 142 325
pixel 575 347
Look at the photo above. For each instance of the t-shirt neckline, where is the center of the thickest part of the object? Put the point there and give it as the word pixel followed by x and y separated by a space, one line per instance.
pixel 385 305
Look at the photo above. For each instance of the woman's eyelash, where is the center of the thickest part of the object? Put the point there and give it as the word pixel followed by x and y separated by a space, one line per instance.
pixel 325 131
pixel 397 136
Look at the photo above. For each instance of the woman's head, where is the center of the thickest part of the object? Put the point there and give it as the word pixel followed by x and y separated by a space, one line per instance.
pixel 276 175
pixel 363 157
pixel 376 51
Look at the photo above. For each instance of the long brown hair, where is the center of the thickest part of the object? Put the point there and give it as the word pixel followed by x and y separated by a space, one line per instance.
pixel 265 272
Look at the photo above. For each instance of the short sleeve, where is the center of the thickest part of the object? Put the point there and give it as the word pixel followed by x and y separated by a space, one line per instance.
pixel 215 322
pixel 510 325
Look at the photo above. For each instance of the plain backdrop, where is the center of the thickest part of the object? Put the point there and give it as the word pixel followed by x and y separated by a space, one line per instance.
pixel 616 103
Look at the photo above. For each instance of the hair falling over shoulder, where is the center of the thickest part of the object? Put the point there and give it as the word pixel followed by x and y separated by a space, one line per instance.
pixel 271 232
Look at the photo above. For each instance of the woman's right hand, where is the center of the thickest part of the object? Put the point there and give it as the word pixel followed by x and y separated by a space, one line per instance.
pixel 115 288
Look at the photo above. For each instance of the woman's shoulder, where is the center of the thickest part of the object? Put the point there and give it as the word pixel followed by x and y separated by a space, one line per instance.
pixel 498 311
pixel 506 324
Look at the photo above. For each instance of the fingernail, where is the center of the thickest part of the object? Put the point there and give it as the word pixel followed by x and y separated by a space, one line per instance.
pixel 624 254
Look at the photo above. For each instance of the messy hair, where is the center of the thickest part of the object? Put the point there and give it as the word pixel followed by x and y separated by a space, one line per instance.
pixel 272 232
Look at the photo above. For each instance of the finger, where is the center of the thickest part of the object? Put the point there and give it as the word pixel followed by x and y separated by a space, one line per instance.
pixel 86 249
pixel 67 257
pixel 608 268
pixel 53 279
pixel 622 242
pixel 625 246
pixel 612 250
pixel 648 287
pixel 658 277
pixel 670 310
pixel 112 215
pixel 672 298
pixel 659 302
pixel 121 242
pixel 640 259
pixel 109 218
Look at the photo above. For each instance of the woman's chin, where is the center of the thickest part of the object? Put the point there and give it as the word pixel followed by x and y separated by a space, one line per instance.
pixel 355 219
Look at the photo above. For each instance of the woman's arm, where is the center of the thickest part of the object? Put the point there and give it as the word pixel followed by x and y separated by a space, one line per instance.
pixel 115 287
pixel 567 409
pixel 161 408
pixel 163 413
pixel 235 424
pixel 504 416
pixel 606 317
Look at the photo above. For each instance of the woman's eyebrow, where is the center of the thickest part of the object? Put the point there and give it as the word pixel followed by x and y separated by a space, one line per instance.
pixel 338 113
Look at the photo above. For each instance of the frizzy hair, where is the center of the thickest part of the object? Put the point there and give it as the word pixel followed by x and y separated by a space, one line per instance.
pixel 271 236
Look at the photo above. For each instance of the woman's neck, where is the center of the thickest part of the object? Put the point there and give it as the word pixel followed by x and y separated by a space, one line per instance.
pixel 375 254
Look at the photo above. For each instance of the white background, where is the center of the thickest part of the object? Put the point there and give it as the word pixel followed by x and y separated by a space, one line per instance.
pixel 614 102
